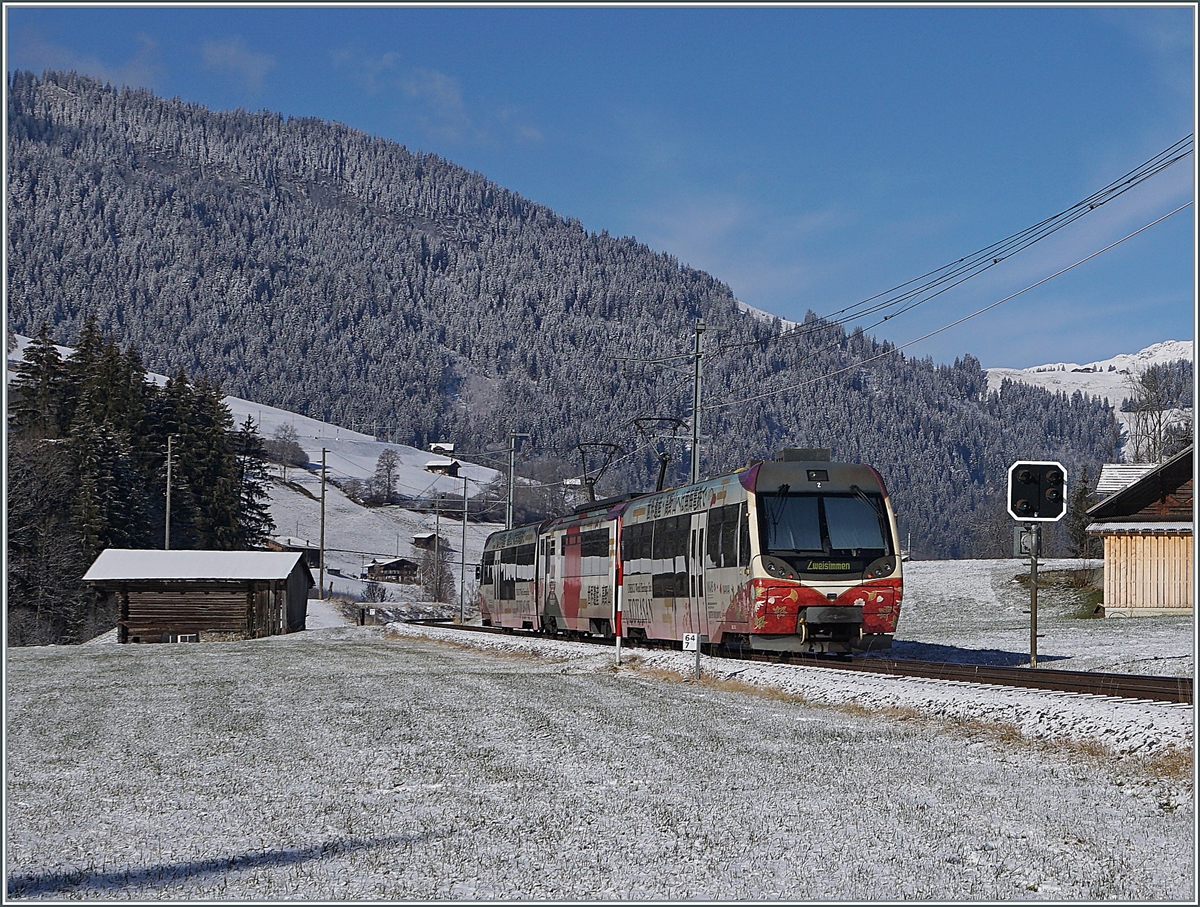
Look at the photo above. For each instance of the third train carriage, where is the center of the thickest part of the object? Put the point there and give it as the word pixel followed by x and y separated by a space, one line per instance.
pixel 798 554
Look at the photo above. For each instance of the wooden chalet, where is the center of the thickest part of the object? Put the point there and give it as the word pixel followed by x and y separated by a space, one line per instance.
pixel 1148 532
pixel 444 467
pixel 203 596
pixel 312 553
pixel 428 541
pixel 394 570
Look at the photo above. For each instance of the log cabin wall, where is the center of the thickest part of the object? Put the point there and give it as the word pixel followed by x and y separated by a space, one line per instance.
pixel 1148 573
pixel 211 611
pixel 155 613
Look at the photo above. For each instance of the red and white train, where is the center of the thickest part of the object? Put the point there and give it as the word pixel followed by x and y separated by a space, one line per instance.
pixel 794 555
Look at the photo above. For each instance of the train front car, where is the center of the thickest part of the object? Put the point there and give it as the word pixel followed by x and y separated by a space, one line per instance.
pixel 826 570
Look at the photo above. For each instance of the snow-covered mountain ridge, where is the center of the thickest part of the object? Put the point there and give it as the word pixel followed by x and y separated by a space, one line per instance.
pixel 1157 354
pixel 1105 378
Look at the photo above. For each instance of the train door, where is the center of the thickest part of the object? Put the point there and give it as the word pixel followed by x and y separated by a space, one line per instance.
pixel 697 616
pixel 551 614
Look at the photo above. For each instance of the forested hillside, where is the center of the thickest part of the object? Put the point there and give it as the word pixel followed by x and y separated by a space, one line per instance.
pixel 322 270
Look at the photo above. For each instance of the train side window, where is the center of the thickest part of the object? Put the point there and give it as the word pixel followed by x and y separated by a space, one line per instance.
pixel 594 543
pixel 636 547
pixel 743 536
pixel 712 556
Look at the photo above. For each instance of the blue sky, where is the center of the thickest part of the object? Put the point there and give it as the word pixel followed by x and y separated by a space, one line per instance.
pixel 808 157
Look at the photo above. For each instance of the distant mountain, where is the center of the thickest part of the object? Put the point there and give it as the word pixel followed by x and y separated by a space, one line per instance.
pixel 1105 379
pixel 337 275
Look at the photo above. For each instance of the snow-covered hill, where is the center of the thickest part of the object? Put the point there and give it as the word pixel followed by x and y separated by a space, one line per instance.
pixel 1105 378
pixel 354 535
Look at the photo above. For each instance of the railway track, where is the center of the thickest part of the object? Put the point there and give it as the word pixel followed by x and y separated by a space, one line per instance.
pixel 1120 686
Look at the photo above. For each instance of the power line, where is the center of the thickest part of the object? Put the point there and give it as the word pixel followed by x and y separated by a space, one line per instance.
pixel 933 283
pixel 946 327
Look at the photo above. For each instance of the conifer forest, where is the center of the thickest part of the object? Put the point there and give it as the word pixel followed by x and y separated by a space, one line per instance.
pixel 325 271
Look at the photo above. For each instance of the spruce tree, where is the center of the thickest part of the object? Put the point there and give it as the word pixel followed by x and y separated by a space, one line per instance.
pixel 36 393
pixel 255 524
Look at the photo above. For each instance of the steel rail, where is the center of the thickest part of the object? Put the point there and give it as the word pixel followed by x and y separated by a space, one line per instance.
pixel 1119 686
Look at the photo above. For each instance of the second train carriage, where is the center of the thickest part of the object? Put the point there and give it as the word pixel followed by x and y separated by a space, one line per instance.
pixel 790 555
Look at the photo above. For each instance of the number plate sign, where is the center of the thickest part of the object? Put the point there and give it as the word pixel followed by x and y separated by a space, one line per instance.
pixel 691 642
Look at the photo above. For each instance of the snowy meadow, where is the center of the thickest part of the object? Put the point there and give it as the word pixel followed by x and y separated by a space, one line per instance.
pixel 408 763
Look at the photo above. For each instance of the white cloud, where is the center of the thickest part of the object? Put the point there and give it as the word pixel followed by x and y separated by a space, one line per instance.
pixel 234 58
pixel 763 255
pixel 437 101
pixel 435 104
pixel 143 70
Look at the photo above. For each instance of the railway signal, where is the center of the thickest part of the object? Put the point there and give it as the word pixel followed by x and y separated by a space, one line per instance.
pixel 1037 491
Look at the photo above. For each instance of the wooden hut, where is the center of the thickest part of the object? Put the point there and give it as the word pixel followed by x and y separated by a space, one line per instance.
pixel 443 467
pixel 1147 530
pixel 202 596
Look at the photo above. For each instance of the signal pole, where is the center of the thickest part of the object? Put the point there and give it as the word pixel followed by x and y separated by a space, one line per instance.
pixel 462 566
pixel 1035 544
pixel 1037 493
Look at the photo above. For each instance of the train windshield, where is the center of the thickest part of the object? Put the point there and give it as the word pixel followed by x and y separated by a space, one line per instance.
pixel 844 526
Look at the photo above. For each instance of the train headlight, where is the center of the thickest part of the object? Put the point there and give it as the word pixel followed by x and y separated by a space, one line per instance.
pixel 778 567
pixel 884 566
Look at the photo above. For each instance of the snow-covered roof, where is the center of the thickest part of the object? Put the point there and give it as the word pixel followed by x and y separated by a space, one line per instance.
pixel 1115 476
pixel 291 541
pixel 1138 527
pixel 155 564
pixel 388 561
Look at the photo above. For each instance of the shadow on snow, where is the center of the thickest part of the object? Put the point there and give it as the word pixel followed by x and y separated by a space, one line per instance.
pixel 34 884
pixel 926 651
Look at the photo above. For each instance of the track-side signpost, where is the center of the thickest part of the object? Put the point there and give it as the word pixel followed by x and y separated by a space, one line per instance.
pixel 1037 493
pixel 692 643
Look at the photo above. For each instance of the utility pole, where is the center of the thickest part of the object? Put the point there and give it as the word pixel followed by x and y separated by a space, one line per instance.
pixel 512 459
pixel 167 533
pixel 696 406
pixel 462 567
pixel 322 591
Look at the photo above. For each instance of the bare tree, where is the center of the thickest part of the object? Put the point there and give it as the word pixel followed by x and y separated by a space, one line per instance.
pixel 386 470
pixel 435 578
pixel 1157 425
pixel 284 448
pixel 375 592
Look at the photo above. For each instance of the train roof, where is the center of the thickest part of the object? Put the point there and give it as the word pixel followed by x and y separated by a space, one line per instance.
pixel 816 475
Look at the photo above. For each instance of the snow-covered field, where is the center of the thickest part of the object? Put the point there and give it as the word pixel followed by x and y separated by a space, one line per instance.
pixel 394 763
